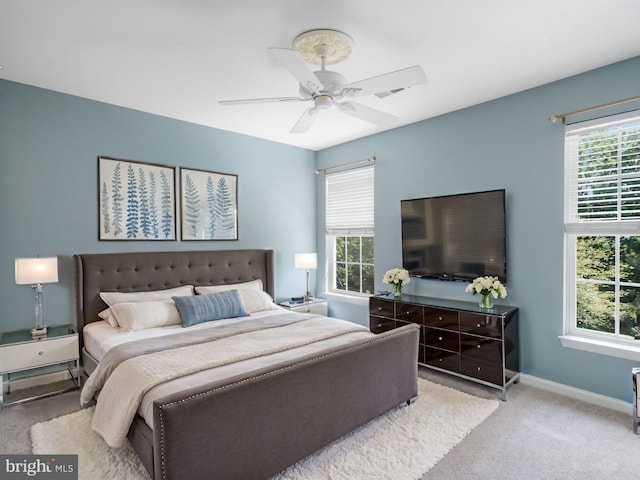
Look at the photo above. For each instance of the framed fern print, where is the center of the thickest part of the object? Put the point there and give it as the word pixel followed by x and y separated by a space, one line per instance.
pixel 208 205
pixel 137 200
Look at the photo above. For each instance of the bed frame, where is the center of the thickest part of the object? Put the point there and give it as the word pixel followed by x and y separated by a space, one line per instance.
pixel 254 425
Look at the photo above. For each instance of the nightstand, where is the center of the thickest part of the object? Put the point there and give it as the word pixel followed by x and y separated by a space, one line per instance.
pixel 20 353
pixel 314 305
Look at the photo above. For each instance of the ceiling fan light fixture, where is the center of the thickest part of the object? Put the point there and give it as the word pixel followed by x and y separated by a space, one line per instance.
pixel 331 45
pixel 323 102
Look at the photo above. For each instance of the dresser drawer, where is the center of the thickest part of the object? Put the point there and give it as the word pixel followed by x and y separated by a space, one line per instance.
pixel 381 308
pixel 485 325
pixel 22 356
pixel 408 312
pixel 446 339
pixel 442 359
pixel 474 368
pixel 436 317
pixel 481 348
pixel 400 323
pixel 381 324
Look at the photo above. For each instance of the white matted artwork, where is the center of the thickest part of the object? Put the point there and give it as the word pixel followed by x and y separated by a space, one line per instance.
pixel 136 200
pixel 208 205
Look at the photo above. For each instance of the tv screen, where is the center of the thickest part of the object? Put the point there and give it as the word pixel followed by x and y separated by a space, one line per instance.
pixel 455 237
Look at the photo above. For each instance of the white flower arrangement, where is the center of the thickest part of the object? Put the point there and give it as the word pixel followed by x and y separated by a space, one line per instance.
pixel 396 276
pixel 487 286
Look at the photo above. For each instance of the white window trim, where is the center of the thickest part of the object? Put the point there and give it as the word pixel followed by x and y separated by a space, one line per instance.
pixel 593 345
pixel 582 339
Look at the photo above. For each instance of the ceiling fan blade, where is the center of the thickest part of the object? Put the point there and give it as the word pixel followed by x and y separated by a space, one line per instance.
pixel 262 100
pixel 386 84
pixel 305 121
pixel 367 114
pixel 291 60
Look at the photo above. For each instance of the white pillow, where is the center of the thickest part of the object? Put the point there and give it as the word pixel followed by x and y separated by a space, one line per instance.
pixel 253 297
pixel 132 316
pixel 108 316
pixel 112 298
pixel 256 300
pixel 253 285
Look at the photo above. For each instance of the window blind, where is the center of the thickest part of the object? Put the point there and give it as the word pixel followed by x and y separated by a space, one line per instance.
pixel 603 172
pixel 349 202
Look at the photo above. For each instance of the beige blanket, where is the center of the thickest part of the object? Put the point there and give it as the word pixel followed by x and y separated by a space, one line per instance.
pixel 122 392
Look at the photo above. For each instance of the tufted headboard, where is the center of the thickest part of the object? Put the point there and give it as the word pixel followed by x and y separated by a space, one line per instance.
pixel 144 271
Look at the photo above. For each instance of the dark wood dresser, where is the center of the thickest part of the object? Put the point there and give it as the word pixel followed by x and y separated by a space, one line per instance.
pixel 457 337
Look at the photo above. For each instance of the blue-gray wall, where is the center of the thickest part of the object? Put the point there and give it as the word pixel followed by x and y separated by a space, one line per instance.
pixel 49 143
pixel 507 143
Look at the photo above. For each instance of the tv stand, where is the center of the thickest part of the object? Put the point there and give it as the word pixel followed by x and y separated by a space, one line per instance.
pixel 456 337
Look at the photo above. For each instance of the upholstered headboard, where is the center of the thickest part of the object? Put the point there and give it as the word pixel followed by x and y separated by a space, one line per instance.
pixel 145 271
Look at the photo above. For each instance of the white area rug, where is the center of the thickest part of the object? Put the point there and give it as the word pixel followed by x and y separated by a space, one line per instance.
pixel 402 444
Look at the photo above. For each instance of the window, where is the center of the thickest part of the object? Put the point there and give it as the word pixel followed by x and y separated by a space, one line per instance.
pixel 602 228
pixel 349 224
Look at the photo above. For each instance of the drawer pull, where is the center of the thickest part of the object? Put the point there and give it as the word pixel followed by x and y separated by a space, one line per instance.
pixel 440 339
pixel 408 312
pixel 478 346
pixel 440 359
pixel 379 309
pixel 479 368
pixel 478 326
pixel 40 353
pixel 379 325
pixel 440 318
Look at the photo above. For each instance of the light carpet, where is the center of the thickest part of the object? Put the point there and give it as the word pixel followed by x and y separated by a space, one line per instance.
pixel 403 444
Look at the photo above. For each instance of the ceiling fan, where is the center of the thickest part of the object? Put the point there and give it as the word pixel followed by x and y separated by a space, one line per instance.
pixel 325 87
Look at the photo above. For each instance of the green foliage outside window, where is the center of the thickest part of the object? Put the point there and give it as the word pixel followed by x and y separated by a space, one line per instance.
pixel 596 285
pixel 354 264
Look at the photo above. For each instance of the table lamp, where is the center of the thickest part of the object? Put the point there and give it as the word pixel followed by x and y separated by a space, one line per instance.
pixel 307 261
pixel 35 272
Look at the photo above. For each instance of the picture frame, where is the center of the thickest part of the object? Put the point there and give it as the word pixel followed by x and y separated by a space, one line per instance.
pixel 208 205
pixel 136 200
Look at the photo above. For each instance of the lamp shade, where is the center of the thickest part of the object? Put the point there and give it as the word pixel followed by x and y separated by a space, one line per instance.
pixel 31 271
pixel 306 260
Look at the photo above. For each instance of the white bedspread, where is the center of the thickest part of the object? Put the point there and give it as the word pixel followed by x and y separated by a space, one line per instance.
pixel 121 394
pixel 99 337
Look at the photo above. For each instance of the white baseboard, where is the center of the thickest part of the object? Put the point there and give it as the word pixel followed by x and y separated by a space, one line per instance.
pixel 577 393
pixel 36 380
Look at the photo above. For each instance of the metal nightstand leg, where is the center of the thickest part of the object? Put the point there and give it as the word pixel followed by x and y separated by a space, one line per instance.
pixel 77 381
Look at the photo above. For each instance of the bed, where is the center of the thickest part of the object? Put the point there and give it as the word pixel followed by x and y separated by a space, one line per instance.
pixel 246 424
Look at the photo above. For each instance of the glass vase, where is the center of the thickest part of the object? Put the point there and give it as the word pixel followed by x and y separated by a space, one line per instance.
pixel 397 289
pixel 486 301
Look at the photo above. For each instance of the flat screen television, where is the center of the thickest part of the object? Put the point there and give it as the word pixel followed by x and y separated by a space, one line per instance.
pixel 455 237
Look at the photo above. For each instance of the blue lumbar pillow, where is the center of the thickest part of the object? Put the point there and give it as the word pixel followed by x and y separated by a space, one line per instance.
pixel 205 308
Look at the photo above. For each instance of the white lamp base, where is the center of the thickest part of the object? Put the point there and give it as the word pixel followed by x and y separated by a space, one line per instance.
pixel 39 332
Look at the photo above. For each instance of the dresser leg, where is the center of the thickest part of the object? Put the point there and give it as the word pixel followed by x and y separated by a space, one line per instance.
pixel 635 373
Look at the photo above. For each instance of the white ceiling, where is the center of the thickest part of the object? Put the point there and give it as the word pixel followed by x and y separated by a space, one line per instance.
pixel 179 58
